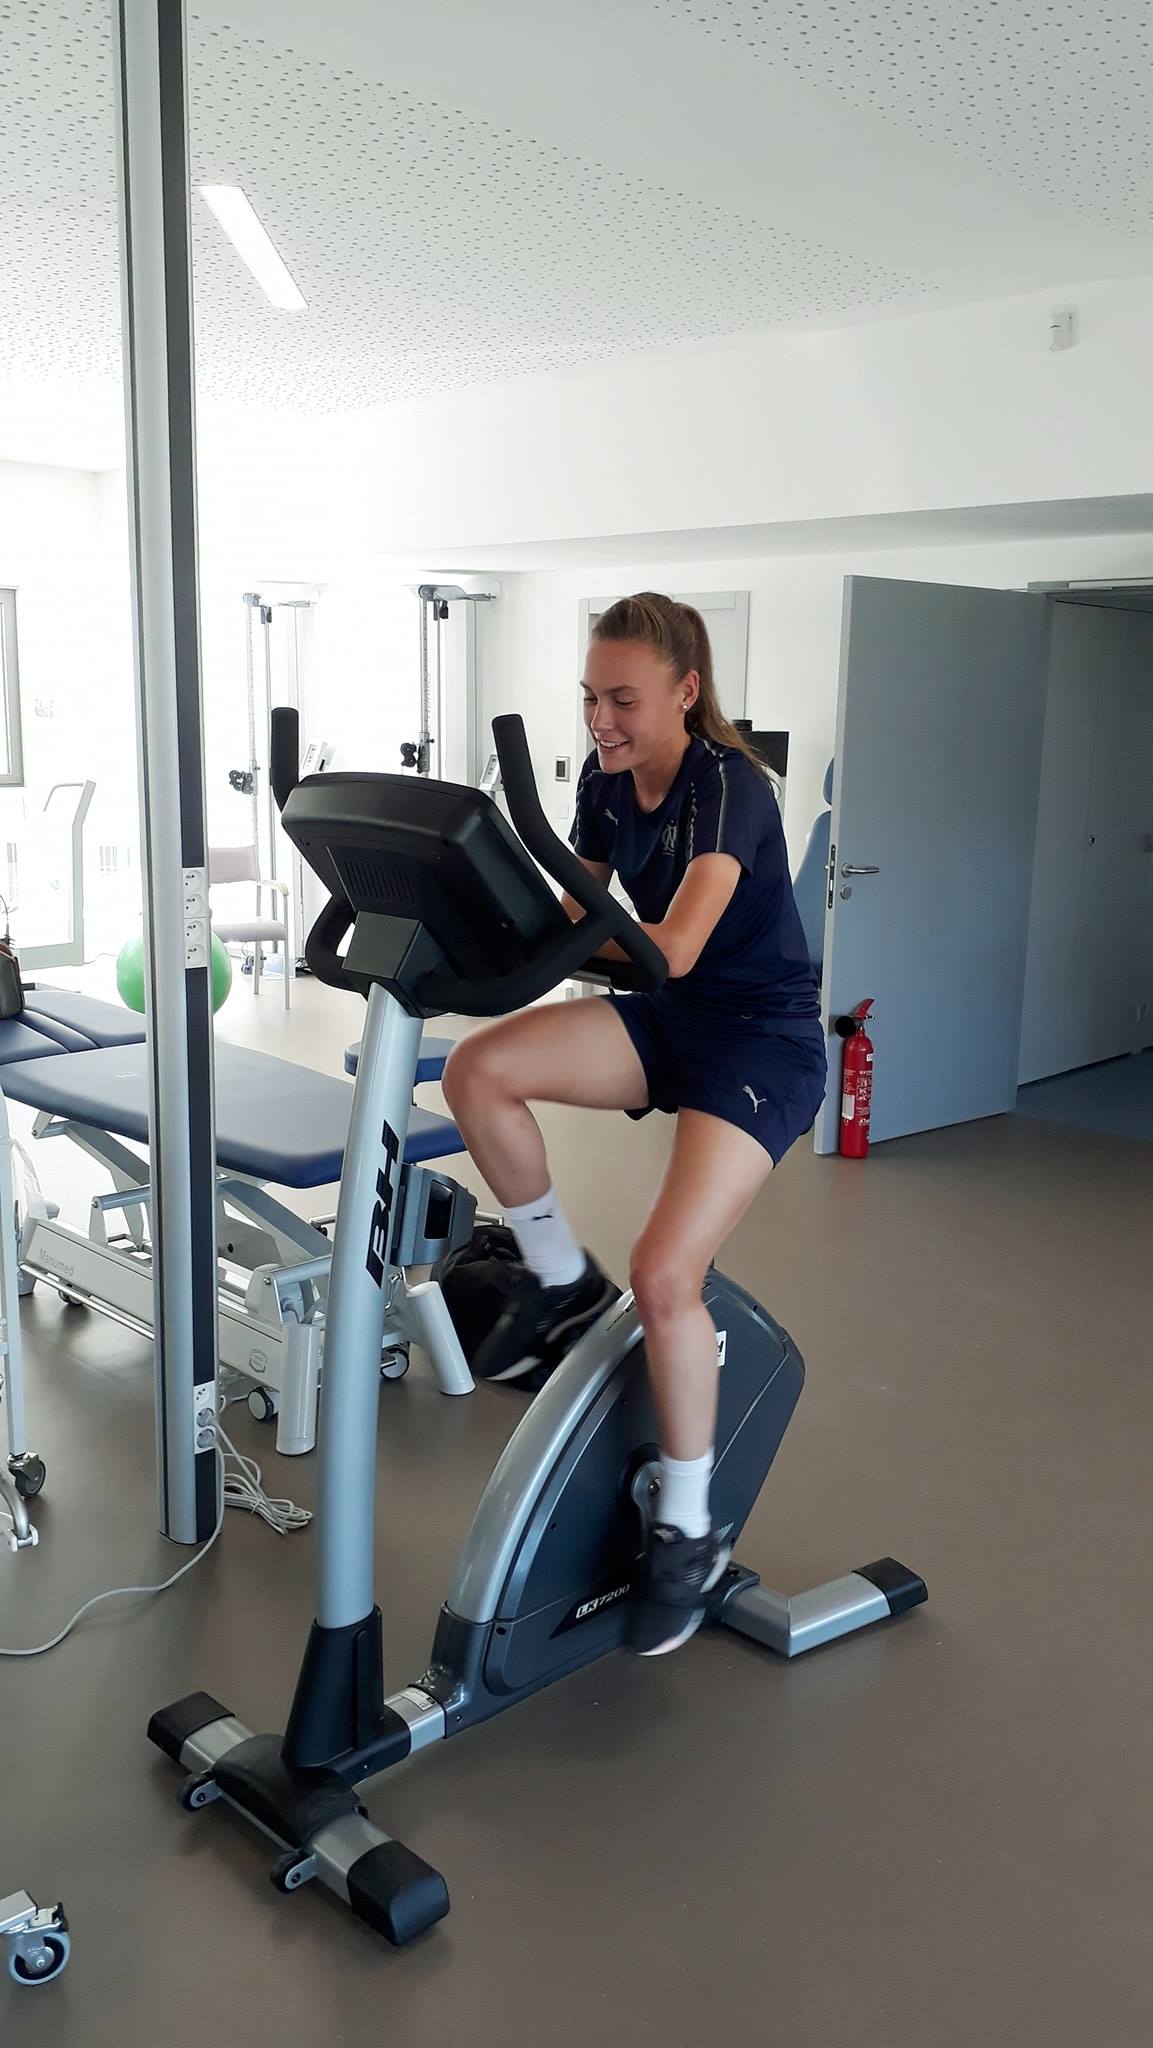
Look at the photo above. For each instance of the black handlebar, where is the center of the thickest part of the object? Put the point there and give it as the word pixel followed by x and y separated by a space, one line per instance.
pixel 284 753
pixel 564 955
pixel 604 917
pixel 322 946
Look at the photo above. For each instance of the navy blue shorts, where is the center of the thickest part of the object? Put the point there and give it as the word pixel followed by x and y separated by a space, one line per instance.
pixel 766 1079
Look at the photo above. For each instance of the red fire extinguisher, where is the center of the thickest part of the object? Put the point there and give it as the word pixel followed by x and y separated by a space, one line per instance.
pixel 856 1082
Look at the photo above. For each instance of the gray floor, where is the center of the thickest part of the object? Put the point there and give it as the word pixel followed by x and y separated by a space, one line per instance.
pixel 1116 1096
pixel 937 1833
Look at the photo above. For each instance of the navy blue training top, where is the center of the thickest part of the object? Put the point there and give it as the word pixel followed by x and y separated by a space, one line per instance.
pixel 756 960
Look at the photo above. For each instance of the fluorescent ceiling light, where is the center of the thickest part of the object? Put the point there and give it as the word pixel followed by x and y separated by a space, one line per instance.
pixel 251 241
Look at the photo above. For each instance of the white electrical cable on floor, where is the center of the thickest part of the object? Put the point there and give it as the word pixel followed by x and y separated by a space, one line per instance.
pixel 118 1591
pixel 243 1489
pixel 240 1488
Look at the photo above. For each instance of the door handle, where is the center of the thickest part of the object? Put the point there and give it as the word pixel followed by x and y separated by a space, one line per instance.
pixel 848 869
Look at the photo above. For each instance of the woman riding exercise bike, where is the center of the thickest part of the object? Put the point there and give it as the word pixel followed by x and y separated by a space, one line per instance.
pixel 674 803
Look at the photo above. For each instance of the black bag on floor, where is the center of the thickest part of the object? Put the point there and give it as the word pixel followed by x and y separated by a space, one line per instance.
pixel 477 1279
pixel 11 993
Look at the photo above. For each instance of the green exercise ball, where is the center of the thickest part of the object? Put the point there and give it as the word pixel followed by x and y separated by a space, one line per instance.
pixel 221 973
pixel 130 973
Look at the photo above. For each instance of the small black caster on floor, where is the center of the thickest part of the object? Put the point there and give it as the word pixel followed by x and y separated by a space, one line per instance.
pixel 198 1791
pixel 293 1870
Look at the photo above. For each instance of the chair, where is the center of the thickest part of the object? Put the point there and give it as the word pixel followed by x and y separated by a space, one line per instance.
pixel 228 864
pixel 811 881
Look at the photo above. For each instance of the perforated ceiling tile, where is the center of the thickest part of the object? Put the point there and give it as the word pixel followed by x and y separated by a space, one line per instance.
pixel 1055 96
pixel 59 284
pixel 435 250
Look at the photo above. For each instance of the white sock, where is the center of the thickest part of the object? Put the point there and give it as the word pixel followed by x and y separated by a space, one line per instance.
pixel 684 1496
pixel 547 1244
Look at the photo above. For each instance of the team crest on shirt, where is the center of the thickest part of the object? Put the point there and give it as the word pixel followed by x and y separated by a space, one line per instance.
pixel 669 838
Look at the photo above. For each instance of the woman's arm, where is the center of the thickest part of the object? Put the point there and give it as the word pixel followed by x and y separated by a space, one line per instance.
pixel 693 914
pixel 601 872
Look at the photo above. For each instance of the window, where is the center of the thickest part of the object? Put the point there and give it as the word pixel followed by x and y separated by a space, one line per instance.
pixel 11 748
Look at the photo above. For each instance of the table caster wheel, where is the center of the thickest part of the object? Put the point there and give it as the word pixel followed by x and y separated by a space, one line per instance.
pixel 46 1961
pixel 38 1939
pixel 28 1475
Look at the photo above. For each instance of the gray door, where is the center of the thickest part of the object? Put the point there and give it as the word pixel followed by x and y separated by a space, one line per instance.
pixel 1120 822
pixel 938 752
pixel 1056 1022
pixel 1086 981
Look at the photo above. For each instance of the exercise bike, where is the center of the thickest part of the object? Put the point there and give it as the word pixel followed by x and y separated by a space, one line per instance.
pixel 447 912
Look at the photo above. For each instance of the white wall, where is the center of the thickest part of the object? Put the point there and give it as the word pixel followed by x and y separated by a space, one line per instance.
pixel 360 681
pixel 48 532
pixel 285 501
pixel 530 660
pixel 75 680
pixel 965 407
pixel 274 509
pixel 366 694
pixel 62 542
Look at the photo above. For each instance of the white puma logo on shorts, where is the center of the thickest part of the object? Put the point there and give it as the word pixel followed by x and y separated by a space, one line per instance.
pixel 756 1100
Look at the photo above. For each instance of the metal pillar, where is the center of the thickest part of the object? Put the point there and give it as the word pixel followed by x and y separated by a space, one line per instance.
pixel 156 294
pixel 435 599
pixel 265 810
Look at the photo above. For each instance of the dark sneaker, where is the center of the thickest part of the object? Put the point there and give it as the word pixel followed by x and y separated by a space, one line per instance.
pixel 540 1324
pixel 669 1604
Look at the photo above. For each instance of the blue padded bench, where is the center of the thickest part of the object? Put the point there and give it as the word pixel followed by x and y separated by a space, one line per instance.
pixel 274 1121
pixel 84 1065
pixel 430 1066
pixel 86 1060
pixel 56 1020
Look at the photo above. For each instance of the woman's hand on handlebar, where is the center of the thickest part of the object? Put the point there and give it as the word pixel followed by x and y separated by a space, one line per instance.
pixel 610 950
pixel 602 873
pixel 704 894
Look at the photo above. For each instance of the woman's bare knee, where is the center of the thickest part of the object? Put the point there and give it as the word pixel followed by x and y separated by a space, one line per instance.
pixel 665 1282
pixel 455 1079
pixel 548 1055
pixel 476 1066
